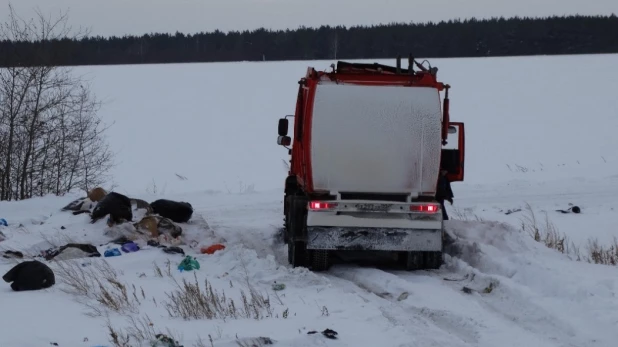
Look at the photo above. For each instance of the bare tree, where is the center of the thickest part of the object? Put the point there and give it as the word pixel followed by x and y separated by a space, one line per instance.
pixel 51 140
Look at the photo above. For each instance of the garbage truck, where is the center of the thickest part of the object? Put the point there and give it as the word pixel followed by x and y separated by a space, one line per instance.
pixel 365 154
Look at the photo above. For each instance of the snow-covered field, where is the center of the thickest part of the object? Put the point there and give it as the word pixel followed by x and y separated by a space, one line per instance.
pixel 540 131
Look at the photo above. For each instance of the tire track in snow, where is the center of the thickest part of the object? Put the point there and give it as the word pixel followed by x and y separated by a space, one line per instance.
pixel 460 330
pixel 534 285
pixel 511 304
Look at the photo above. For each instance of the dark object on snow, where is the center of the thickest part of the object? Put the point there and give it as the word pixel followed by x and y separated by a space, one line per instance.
pixel 179 212
pixel 573 209
pixel 114 252
pixel 331 334
pixel 120 241
pixel 174 250
pixel 444 192
pixel 74 205
pixel 165 341
pixel 118 207
pixel 75 213
pixel 168 226
pixel 30 275
pixel 466 290
pixel 13 254
pixel 141 204
pixel 512 211
pixel 153 243
pixel 130 247
pixel 90 250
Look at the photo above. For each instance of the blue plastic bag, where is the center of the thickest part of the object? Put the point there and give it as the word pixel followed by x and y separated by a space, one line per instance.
pixel 114 252
pixel 130 247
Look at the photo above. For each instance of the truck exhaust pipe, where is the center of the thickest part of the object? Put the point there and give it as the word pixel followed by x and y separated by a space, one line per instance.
pixel 398 64
pixel 411 64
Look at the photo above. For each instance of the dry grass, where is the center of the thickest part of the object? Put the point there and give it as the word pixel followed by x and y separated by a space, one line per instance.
pixel 547 233
pixel 598 254
pixel 192 301
pixel 544 231
pixel 139 332
pixel 98 287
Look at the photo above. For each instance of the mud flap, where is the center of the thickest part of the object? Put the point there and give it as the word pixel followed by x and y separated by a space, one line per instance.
pixel 374 239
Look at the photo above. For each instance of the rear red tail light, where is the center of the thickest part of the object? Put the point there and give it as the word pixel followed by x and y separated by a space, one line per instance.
pixel 321 205
pixel 426 208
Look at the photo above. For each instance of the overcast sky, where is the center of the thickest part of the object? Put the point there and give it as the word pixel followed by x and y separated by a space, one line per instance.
pixel 118 17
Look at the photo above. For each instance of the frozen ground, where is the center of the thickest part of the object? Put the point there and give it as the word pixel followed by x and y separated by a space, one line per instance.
pixel 533 137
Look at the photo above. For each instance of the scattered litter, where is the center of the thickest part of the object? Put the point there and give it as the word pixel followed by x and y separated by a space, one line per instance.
pixel 459 279
pixel 251 342
pixel 114 252
pixel 512 211
pixel 119 241
pixel 572 209
pixel 278 286
pixel 329 333
pixel 71 251
pixel 403 296
pixel 153 243
pixel 164 341
pixel 4 222
pixel 466 290
pixel 30 275
pixel 130 247
pixel 13 254
pixel 489 288
pixel 174 250
pixel 212 249
pixel 189 263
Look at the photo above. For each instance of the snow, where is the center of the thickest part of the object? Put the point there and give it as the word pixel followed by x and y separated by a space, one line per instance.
pixel 536 133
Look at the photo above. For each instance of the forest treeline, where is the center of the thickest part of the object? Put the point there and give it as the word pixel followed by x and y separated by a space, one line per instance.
pixel 453 38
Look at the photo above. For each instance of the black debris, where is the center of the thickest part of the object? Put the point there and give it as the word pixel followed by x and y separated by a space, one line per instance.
pixel 179 212
pixel 30 275
pixel 174 250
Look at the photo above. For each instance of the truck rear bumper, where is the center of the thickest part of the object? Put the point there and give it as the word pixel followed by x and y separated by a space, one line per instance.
pixel 373 238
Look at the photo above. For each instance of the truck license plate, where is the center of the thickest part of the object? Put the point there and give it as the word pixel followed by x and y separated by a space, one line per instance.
pixel 373 207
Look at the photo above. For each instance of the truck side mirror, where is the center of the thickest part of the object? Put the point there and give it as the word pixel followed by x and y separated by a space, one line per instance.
pixel 284 141
pixel 283 127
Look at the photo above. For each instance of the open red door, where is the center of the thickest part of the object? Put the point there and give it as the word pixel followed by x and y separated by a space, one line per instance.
pixel 453 153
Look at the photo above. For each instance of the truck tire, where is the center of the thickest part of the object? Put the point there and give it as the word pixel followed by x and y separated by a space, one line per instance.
pixel 433 260
pixel 297 246
pixel 421 260
pixel 287 203
pixel 319 260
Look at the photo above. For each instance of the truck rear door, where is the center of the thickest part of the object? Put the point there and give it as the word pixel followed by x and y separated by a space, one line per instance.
pixel 453 153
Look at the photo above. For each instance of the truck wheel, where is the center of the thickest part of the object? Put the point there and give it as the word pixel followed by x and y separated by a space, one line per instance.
pixel 411 260
pixel 433 260
pixel 320 260
pixel 297 253
pixel 287 203
pixel 420 260
pixel 297 247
